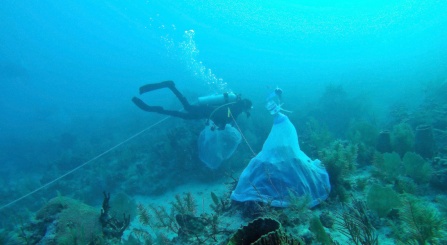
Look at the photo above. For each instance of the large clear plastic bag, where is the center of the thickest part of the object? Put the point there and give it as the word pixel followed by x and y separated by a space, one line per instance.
pixel 282 169
pixel 217 145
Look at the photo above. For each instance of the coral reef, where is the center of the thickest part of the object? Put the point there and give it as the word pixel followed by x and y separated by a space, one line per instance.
pixel 405 184
pixel 321 236
pixel 417 168
pixel 340 162
pixel 8 237
pixel 262 231
pixel 220 205
pixel 382 200
pixel 387 165
pixel 356 224
pixel 439 180
pixel 419 223
pixel 384 142
pixel 326 219
pixel 167 159
pixel 183 222
pixel 402 138
pixel 122 203
pixel 64 221
pixel 424 141
pixel 315 137
pixel 111 226
pixel 364 135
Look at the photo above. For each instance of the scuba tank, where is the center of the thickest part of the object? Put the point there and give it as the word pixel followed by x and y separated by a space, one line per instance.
pixel 218 99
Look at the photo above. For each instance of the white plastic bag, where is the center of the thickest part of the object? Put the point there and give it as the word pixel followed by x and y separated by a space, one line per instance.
pixel 282 168
pixel 216 145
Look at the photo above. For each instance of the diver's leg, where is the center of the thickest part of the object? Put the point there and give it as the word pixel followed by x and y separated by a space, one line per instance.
pixel 158 109
pixel 171 86
pixel 155 86
pixel 180 97
pixel 145 107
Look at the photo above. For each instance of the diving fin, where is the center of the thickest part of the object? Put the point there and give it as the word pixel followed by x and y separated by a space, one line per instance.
pixel 155 86
pixel 145 107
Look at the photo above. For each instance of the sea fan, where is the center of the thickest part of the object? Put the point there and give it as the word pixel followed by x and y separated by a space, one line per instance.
pixel 143 214
pixel 421 222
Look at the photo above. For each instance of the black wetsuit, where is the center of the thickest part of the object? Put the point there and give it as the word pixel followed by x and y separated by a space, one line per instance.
pixel 217 113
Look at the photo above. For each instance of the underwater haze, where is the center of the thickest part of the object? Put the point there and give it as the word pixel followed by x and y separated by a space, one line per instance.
pixel 63 60
pixel 69 69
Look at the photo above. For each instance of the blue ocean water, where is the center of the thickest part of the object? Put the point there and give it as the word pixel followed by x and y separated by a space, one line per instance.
pixel 68 69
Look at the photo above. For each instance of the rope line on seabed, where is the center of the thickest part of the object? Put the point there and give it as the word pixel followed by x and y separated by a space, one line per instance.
pixel 104 153
pixel 243 136
pixel 82 165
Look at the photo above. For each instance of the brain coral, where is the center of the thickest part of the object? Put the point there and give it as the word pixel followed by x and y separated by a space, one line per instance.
pixel 75 221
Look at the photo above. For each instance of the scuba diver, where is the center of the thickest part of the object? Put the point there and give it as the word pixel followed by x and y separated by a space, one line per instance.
pixel 216 108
